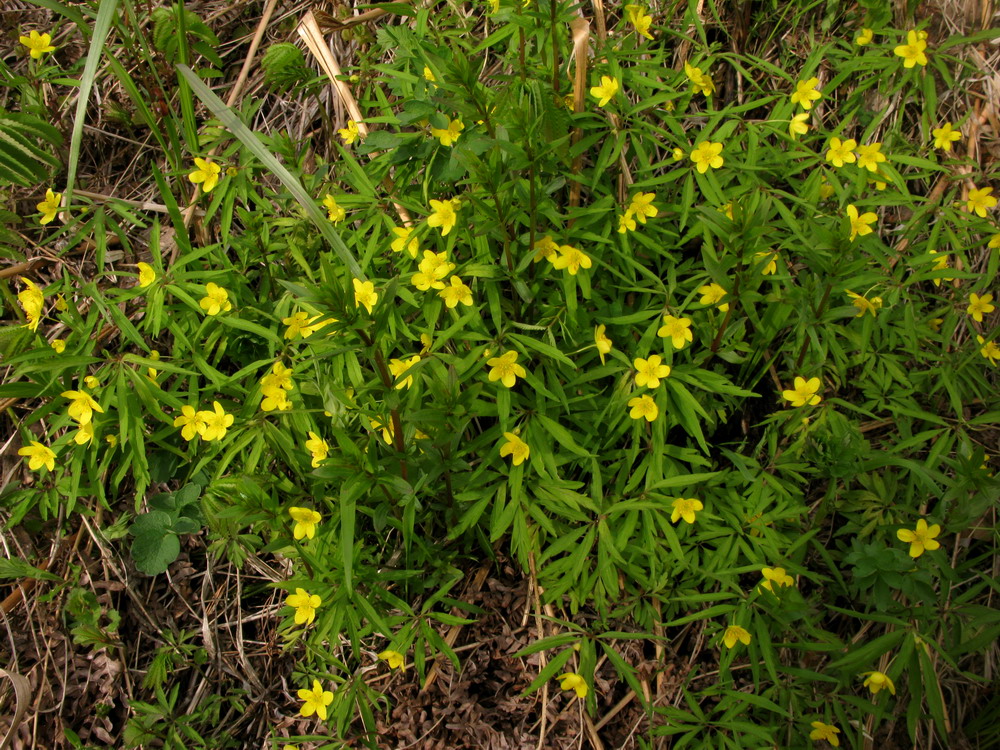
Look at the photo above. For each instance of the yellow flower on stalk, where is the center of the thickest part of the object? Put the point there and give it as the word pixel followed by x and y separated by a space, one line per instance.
pixel 601 341
pixel 84 434
pixel 799 124
pixel 37 44
pixel 191 422
pixel 735 633
pixel 713 294
pixel 876 681
pixel 841 152
pixel 771 262
pixel 775 576
pixel 649 371
pixel 864 37
pixel 573 681
pixel 443 215
pixel 216 300
pixel 58 345
pixel 860 222
pixel 707 155
pixel 626 223
pixel 301 325
pixel 826 732
pixel 398 368
pixel 678 330
pixel 350 134
pixel 863 304
pixel 921 539
pixel 805 93
pixel 944 136
pixel 38 455
pixel 393 658
pixel 701 82
pixel 516 448
pixel 365 294
pixel 642 206
pixel 870 156
pixel 685 508
pixel 643 407
pixel 146 275
pixel 980 306
pixel 315 701
pixel 49 207
pixel 429 75
pixel 940 264
pixel 989 350
pixel 206 174
pixel 506 369
pixel 32 300
pixel 980 201
pixel 305 605
pixel 913 51
pixel 305 522
pixel 82 406
pixel 804 392
pixel 546 248
pixel 457 292
pixel 606 91
pixel 404 241
pixel 994 242
pixel 388 433
pixel 571 259
pixel 216 422
pixel 449 136
pixel 636 15
pixel 334 211
pixel 433 268
pixel 318 448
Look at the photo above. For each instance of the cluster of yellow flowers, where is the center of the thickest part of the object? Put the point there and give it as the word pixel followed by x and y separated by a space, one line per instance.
pixel 639 208
pixel 274 388
pixel 208 425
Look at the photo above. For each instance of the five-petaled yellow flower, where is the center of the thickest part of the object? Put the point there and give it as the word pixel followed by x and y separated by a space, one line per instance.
pixel 206 174
pixel 699 81
pixel 571 259
pixel 365 294
pixel 876 681
pixel 433 268
pixel 37 44
pixel 216 422
pixel 38 455
pixel 191 422
pixel 457 292
pixel 841 152
pixel 775 576
pixel 84 434
pixel 864 37
pixel 50 206
pixel 805 93
pixel 707 155
pixel 980 306
pixel 870 156
pixel 685 508
pixel 826 732
pixel 318 449
pixel 606 91
pixel 921 539
pixel 649 371
pixel 864 304
pixel 860 222
pixel 642 206
pixel 636 15
pixel 301 324
pixel 506 369
pixel 350 134
pixel 516 448
pixel 913 51
pixel 398 368
pixel 393 658
pixel 944 136
pixel 449 136
pixel 804 392
pixel 626 223
pixel 980 201
pixel 678 330
pixel 216 300
pixel 146 275
pixel 601 341
pixel 799 124
pixel 990 350
pixel 305 522
pixel 82 406
pixel 305 605
pixel 735 633
pixel 573 681
pixel 334 211
pixel 546 248
pixel 643 407
pixel 315 701
pixel 713 294
pixel 443 215
pixel 32 299
pixel 404 241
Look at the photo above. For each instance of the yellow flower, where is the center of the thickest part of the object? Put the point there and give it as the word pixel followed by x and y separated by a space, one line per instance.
pixel 207 173
pixel 626 223
pixel 980 306
pixel 913 51
pixel 58 345
pixel 678 330
pixel 506 369
pixel 457 292
pixel 399 367
pixel 606 91
pixel 571 259
pixel 37 44
pixel 305 606
pixel 642 206
pixel 864 37
pixel 921 539
pixel 940 264
pixel 869 157
pixel 274 385
pixel 994 242
pixel 32 301
pixel 875 681
pixel 216 422
pixel 365 294
pixel 546 248
pixel 799 124
pixel 699 81
pixel 649 371
pixel 804 392
pixel 601 341
pixel 825 189
pixel 449 136
pixel 980 201
pixel 944 136
pixel 841 152
pixel 404 241
pixel 637 17
pixel 191 423
pixel 863 304
pixel 393 658
pixel 677 154
pixel 387 431
pixel 334 211
pixel 775 575
pixel 91 382
pixel 50 206
pixel 84 434
pixel 733 634
pixel 805 93
pixel 707 154
pixel 300 324
pixel 643 407
pixel 990 350
pixel 516 448
pixel 316 701
pixel 433 268
pixel 573 681
pixel 429 75
pixel 146 275
pixel 82 406
pixel 826 732
pixel 350 134
pixel 713 294
pixel 305 522
pixel 859 223
pixel 216 300
pixel 443 215
pixel 685 508
pixel 38 455
pixel 318 448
